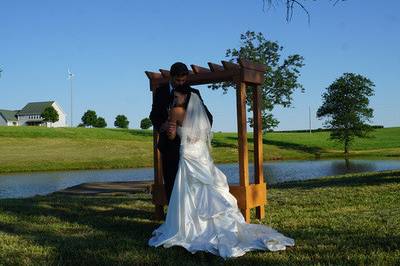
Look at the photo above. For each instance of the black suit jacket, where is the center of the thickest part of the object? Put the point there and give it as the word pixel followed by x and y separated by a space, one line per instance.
pixel 162 101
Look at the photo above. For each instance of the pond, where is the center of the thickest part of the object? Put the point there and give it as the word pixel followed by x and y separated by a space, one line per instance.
pixel 19 185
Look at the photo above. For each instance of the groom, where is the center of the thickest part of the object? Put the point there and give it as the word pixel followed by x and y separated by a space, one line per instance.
pixel 162 103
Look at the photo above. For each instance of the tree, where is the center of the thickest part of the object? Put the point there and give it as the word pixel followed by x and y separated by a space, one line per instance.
pixel 50 115
pixel 121 121
pixel 345 105
pixel 89 118
pixel 100 122
pixel 145 123
pixel 281 78
pixel 291 5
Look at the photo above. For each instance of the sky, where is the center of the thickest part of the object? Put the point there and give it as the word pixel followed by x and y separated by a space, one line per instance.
pixel 109 44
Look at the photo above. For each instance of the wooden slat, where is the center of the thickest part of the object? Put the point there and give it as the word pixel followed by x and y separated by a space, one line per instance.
pixel 254 195
pixel 215 67
pixel 165 73
pixel 257 136
pixel 201 78
pixel 153 75
pixel 159 200
pixel 213 77
pixel 250 196
pixel 156 152
pixel 229 65
pixel 251 65
pixel 246 214
pixel 252 77
pixel 199 69
pixel 258 145
pixel 242 134
pixel 157 161
pixel 159 195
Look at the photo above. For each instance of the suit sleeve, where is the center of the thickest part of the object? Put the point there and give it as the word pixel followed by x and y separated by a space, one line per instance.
pixel 156 114
pixel 210 117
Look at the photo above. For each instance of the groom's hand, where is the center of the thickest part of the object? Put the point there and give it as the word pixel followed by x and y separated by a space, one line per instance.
pixel 171 131
pixel 164 126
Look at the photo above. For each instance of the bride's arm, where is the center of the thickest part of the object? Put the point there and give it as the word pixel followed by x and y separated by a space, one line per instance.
pixel 175 118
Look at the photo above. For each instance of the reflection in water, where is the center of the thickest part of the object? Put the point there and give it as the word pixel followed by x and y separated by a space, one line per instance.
pixel 30 184
pixel 348 166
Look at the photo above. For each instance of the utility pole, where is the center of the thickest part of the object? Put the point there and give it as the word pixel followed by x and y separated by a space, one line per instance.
pixel 309 117
pixel 70 77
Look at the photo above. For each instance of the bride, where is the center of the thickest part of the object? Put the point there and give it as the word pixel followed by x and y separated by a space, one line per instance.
pixel 202 214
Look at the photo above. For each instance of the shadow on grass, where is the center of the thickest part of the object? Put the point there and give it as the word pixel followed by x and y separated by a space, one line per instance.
pixel 316 151
pixel 220 144
pixel 393 155
pixel 368 179
pixel 89 230
pixel 135 132
pixel 144 133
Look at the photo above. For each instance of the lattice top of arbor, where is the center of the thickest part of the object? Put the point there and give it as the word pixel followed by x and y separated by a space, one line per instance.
pixel 246 71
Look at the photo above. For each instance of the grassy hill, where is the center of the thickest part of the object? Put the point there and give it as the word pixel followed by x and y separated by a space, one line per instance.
pixel 40 149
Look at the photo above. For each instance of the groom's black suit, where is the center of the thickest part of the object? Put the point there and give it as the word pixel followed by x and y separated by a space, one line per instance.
pixel 169 149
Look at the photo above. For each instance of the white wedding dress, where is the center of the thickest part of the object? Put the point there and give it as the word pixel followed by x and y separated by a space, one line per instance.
pixel 202 214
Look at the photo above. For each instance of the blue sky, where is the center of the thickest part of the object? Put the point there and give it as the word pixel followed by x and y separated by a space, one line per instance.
pixel 109 44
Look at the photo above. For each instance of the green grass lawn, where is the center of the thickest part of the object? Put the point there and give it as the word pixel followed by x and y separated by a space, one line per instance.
pixel 342 220
pixel 41 149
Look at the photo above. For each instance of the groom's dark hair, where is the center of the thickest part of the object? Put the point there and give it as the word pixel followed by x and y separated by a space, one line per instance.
pixel 178 69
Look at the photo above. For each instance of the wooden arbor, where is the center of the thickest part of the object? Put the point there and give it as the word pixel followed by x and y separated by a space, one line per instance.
pixel 243 74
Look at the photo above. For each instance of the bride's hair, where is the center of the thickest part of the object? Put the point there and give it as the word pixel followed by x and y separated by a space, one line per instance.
pixel 184 89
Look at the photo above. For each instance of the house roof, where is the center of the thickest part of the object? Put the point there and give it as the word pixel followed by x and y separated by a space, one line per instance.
pixel 9 115
pixel 35 108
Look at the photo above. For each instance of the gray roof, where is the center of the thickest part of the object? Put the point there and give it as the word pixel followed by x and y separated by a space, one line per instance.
pixel 9 115
pixel 35 108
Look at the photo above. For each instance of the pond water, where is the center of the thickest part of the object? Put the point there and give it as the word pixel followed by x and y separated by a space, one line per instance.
pixel 19 185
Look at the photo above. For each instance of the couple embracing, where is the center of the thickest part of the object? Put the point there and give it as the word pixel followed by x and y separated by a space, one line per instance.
pixel 202 214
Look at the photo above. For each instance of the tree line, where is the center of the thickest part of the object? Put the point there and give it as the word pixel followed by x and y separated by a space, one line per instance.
pixel 90 119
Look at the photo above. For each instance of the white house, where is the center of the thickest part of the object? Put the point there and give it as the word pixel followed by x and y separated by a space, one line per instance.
pixel 30 115
pixel 8 118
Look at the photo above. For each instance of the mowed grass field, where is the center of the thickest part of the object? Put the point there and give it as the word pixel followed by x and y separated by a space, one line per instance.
pixel 340 220
pixel 42 149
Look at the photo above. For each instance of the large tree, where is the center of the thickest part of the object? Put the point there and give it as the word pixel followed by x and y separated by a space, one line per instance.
pixel 281 77
pixel 89 118
pixel 50 115
pixel 346 107
pixel 121 121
